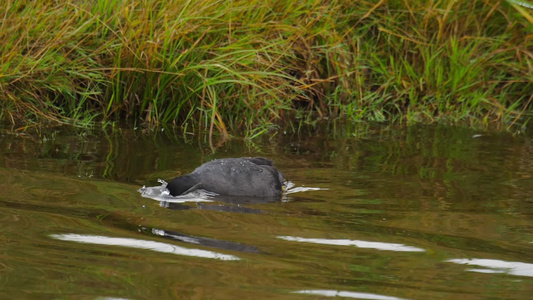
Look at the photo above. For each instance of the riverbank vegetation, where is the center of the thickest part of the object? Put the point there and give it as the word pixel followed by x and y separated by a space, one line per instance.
pixel 224 66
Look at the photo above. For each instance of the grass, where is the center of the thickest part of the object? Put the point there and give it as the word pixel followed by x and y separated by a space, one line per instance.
pixel 227 66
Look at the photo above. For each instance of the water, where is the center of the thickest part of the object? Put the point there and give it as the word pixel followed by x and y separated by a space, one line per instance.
pixel 422 212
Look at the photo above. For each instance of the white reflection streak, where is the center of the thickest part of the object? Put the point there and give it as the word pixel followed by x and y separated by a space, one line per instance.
pixel 141 244
pixel 497 266
pixel 333 293
pixel 357 243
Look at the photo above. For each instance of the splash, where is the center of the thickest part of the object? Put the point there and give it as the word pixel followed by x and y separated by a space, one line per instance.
pixel 291 188
pixel 162 194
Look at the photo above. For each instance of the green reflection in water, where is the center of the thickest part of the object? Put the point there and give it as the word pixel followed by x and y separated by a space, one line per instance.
pixel 464 199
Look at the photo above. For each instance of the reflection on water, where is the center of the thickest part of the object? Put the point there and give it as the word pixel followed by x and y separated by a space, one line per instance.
pixel 356 243
pixel 346 294
pixel 140 244
pixel 421 212
pixel 208 242
pixel 497 266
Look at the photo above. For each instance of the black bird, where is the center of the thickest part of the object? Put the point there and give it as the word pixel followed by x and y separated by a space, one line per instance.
pixel 245 176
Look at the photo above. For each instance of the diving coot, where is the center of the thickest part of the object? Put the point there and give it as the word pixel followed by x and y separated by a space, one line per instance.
pixel 245 176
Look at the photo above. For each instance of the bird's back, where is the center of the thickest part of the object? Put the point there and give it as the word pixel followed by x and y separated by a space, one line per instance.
pixel 240 177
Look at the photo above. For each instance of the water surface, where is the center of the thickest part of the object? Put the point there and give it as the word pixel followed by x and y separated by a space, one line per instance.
pixel 422 212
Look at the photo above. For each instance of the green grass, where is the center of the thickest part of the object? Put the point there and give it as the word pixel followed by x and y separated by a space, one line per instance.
pixel 227 66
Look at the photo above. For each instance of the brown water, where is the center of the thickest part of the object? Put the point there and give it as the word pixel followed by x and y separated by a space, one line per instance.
pixel 410 213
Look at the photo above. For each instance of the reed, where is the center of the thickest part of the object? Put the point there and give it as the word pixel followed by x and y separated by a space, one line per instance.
pixel 226 66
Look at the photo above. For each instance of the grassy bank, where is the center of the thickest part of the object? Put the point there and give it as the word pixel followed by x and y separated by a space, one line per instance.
pixel 229 65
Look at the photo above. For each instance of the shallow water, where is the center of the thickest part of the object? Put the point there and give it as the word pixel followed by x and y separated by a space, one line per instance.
pixel 408 213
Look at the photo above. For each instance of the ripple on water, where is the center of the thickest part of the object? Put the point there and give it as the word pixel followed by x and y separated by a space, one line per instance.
pixel 356 243
pixel 141 244
pixel 496 266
